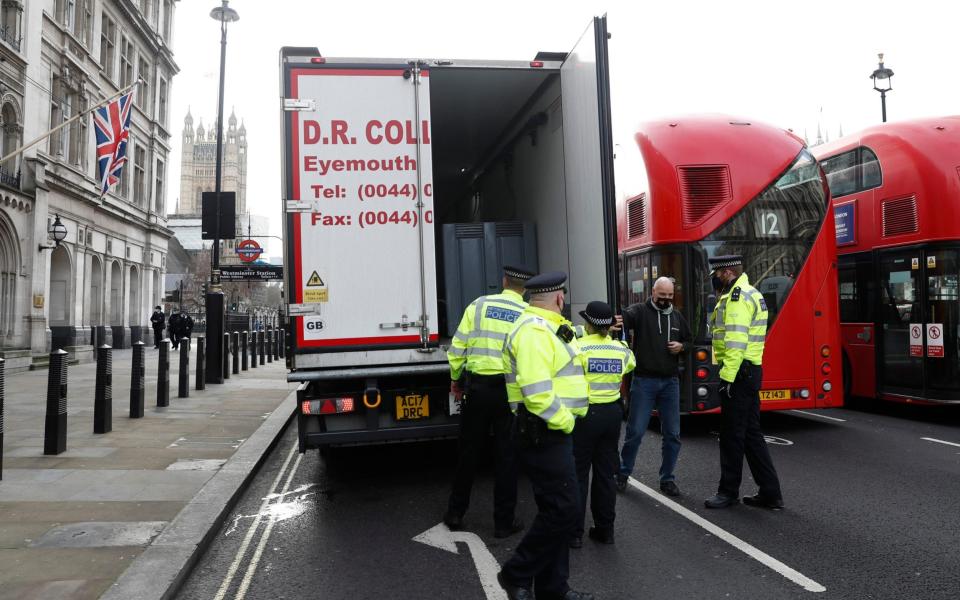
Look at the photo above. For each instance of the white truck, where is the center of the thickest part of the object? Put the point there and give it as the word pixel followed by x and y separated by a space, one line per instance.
pixel 407 185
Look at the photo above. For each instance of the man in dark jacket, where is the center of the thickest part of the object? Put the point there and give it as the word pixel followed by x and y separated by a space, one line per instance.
pixel 174 328
pixel 660 335
pixel 157 320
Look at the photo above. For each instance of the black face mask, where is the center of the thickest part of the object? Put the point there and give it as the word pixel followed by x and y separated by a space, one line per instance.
pixel 662 303
pixel 717 283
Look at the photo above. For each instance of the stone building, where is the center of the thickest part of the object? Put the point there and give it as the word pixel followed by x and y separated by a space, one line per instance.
pixel 57 59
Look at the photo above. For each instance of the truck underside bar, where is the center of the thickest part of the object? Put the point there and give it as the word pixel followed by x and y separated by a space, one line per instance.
pixel 366 372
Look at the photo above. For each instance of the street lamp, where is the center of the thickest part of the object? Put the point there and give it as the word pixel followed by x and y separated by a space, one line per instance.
pixel 57 232
pixel 214 299
pixel 881 82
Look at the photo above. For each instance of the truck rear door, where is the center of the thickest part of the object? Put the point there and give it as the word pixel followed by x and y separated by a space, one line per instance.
pixel 588 158
pixel 359 206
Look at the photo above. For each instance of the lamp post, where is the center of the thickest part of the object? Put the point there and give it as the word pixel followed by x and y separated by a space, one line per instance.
pixel 881 82
pixel 214 299
pixel 57 232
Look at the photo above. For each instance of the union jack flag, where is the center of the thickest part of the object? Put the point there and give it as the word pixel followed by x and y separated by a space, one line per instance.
pixel 112 125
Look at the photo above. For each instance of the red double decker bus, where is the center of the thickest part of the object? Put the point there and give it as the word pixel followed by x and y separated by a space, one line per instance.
pixel 896 194
pixel 711 186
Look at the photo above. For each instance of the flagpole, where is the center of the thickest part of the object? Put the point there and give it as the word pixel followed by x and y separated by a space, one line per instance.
pixel 68 121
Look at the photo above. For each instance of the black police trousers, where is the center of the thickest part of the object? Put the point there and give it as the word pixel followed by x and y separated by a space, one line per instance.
pixel 157 336
pixel 486 406
pixel 740 435
pixel 542 559
pixel 595 443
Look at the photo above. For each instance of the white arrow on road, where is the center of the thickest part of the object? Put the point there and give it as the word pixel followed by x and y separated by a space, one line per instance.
pixel 441 537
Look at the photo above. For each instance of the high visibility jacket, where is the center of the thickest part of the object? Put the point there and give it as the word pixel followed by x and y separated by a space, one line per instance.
pixel 739 326
pixel 478 343
pixel 607 361
pixel 545 373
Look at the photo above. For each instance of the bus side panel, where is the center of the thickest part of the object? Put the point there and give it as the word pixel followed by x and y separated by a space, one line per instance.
pixel 861 351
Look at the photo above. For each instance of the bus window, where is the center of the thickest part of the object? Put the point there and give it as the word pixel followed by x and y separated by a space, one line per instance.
pixel 638 272
pixel 857 285
pixel 871 169
pixel 849 305
pixel 841 173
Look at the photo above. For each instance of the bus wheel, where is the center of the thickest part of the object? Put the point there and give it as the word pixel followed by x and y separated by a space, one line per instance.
pixel 847 380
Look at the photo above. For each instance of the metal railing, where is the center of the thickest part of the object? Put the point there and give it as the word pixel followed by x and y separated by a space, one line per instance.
pixel 8 34
pixel 8 179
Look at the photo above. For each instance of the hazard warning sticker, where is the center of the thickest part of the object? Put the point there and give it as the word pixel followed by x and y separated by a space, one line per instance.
pixel 315 290
pixel 315 280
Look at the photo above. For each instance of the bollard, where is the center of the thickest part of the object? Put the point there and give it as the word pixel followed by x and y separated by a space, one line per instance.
pixel 276 344
pixel 183 389
pixel 103 392
pixel 226 355
pixel 253 349
pixel 243 349
pixel 201 363
pixel 262 347
pixel 283 343
pixel 269 337
pixel 55 427
pixel 163 374
pixel 235 351
pixel 138 384
pixel 1 417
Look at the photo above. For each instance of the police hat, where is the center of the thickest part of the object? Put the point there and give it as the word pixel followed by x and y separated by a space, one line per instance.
pixel 598 314
pixel 546 282
pixel 723 262
pixel 516 273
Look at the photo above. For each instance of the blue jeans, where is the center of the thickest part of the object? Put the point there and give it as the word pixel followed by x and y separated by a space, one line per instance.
pixel 645 394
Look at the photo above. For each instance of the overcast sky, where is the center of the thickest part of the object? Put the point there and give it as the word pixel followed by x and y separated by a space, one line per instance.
pixel 779 62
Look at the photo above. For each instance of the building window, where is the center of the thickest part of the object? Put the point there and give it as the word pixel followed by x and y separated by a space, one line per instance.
pixel 77 132
pixel 77 18
pixel 108 42
pixel 144 97
pixel 12 133
pixel 59 107
pixel 11 16
pixel 162 103
pixel 155 13
pixel 124 185
pixel 126 62
pixel 85 32
pixel 159 189
pixel 139 177
pixel 167 19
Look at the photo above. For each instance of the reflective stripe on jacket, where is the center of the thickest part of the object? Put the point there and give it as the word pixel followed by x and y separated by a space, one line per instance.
pixel 607 361
pixel 739 327
pixel 545 373
pixel 478 343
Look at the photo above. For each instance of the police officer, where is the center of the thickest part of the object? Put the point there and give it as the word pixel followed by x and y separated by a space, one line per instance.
pixel 477 353
pixel 597 435
pixel 158 321
pixel 739 329
pixel 546 383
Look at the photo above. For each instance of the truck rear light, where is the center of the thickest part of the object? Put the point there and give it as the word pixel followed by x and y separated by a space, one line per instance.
pixel 701 355
pixel 827 386
pixel 328 406
pixel 825 368
pixel 536 64
pixel 318 60
pixel 702 373
pixel 702 391
pixel 804 393
pixel 701 405
pixel 825 351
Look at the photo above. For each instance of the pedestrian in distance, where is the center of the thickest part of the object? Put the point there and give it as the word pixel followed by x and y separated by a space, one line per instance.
pixel 477 380
pixel 596 436
pixel 174 327
pixel 547 386
pixel 157 321
pixel 739 327
pixel 660 336
pixel 186 326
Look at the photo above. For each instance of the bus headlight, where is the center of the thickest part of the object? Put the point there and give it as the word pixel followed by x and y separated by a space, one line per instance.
pixel 826 386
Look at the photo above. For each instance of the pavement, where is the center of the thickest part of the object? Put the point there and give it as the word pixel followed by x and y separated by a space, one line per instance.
pixel 871 513
pixel 124 514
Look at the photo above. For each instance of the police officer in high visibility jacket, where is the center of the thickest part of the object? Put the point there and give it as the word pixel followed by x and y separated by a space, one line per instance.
pixel 597 435
pixel 546 384
pixel 739 329
pixel 476 355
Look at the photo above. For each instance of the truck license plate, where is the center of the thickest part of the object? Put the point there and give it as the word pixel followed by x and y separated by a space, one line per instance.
pixel 775 395
pixel 413 406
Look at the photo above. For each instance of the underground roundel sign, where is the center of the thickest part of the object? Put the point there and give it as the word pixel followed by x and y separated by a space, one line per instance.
pixel 249 250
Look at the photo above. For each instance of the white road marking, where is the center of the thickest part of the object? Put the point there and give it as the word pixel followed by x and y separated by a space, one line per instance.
pixel 232 571
pixel 803 412
pixel 252 568
pixel 941 442
pixel 440 536
pixel 751 551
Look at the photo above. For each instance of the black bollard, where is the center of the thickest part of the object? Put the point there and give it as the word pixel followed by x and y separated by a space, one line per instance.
pixel 243 349
pixel 253 349
pixel 138 383
pixel 183 389
pixel 201 363
pixel 55 427
pixel 283 343
pixel 262 347
pixel 1 417
pixel 235 351
pixel 103 392
pixel 269 346
pixel 163 374
pixel 276 344
pixel 226 355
